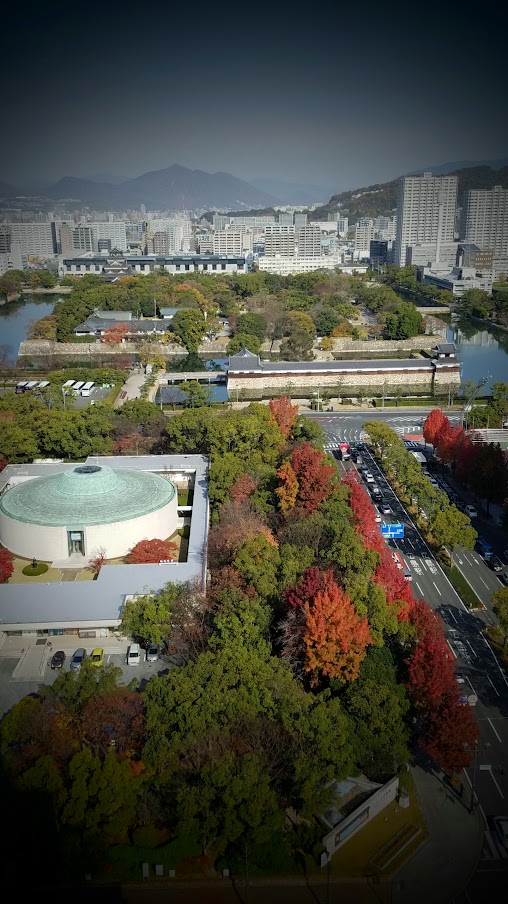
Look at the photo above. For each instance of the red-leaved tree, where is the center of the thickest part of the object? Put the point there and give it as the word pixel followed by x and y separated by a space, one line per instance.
pixel 284 414
pixel 430 673
pixel 313 474
pixel 114 719
pixel 152 551
pixel 243 488
pixel 391 579
pixel 6 565
pixel 450 732
pixel 288 489
pixel 115 334
pixel 97 560
pixel 427 623
pixel 312 580
pixel 335 637
pixel 433 424
pixel 448 441
pixel 363 511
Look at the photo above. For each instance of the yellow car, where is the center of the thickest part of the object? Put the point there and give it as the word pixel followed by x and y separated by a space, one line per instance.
pixel 97 656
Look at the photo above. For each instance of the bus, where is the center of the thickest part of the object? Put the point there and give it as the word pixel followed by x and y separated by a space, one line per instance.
pixel 42 385
pixel 31 385
pixel 21 386
pixel 77 386
pixel 87 388
pixel 68 384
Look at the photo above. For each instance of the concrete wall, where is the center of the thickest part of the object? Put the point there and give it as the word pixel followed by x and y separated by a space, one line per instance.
pixel 358 818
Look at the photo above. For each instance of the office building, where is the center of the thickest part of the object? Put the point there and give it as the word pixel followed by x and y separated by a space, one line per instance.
pixel 378 253
pixel 425 213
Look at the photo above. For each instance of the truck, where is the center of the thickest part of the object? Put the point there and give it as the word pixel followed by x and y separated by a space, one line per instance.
pixel 345 454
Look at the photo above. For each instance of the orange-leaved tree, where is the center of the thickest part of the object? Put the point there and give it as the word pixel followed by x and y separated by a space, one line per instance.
pixel 433 424
pixel 115 334
pixel 288 490
pixel 284 414
pixel 335 637
pixel 313 476
pixel 152 551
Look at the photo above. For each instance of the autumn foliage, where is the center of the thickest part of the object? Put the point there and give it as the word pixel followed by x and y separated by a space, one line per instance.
pixel 239 522
pixel 313 476
pixel 114 719
pixel 433 424
pixel 335 637
pixel 284 414
pixel 115 334
pixel 152 551
pixel 243 488
pixel 6 566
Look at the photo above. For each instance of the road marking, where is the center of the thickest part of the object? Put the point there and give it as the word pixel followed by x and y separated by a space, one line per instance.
pixel 450 610
pixel 483 582
pixel 451 648
pixel 494 658
pixel 493 777
pixel 490 842
pixel 471 648
pixel 471 686
pixel 420 591
pixel 494 730
pixel 437 588
pixel 493 685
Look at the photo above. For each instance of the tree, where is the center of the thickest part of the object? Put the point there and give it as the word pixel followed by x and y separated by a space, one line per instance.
pixel 450 733
pixel 17 444
pixel 97 560
pixel 244 340
pixel 335 637
pixel 243 488
pixel 284 414
pixel 313 475
pixel 403 321
pixel 197 394
pixel 114 719
pixel 500 607
pixel 431 672
pixel 450 527
pixel 288 490
pixel 115 334
pixel 297 347
pixel 102 794
pixel 190 327
pixel 154 551
pixel 489 473
pixel 149 617
pixel 258 560
pixel 251 324
pixel 6 565
pixel 433 424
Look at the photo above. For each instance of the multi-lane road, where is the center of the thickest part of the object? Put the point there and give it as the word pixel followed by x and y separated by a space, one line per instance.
pixel 484 681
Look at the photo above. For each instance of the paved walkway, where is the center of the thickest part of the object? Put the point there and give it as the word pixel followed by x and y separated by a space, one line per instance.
pixel 131 388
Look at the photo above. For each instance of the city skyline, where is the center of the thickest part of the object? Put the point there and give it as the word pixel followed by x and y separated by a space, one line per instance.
pixel 340 102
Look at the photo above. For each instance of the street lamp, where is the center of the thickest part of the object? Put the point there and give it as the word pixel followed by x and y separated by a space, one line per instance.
pixel 63 395
pixel 318 399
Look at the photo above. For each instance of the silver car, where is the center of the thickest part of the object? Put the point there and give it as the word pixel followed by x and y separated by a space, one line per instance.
pixel 78 659
pixel 152 652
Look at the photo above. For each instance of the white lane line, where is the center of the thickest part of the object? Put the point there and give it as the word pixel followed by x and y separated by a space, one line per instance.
pixel 450 610
pixel 410 542
pixel 471 648
pixel 483 582
pixel 475 797
pixel 437 588
pixel 471 686
pixel 494 658
pixel 493 777
pixel 493 685
pixel 494 730
pixel 420 591
pixel 451 648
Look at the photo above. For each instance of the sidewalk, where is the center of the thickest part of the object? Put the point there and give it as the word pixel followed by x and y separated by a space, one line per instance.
pixel 131 388
pixel 442 868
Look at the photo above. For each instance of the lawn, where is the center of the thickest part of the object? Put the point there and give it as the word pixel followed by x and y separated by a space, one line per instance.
pixel 52 575
pixel 465 591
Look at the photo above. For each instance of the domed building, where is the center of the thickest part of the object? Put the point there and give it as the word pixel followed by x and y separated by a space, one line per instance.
pixel 84 509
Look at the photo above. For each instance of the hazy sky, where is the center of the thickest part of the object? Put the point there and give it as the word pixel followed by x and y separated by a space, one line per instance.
pixel 340 97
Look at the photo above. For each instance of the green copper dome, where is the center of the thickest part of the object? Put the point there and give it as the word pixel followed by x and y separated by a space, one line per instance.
pixel 87 494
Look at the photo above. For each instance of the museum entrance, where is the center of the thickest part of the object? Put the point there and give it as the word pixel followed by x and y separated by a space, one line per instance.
pixel 76 542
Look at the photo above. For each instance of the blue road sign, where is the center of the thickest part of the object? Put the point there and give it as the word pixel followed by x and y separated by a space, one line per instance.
pixel 392 531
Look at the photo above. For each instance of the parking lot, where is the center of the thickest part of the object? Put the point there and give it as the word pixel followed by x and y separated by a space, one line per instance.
pixel 25 665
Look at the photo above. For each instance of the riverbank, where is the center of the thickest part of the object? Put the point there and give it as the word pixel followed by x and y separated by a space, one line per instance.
pixel 26 290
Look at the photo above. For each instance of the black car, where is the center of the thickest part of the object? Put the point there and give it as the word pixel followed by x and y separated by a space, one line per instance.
pixel 503 578
pixel 495 563
pixel 58 659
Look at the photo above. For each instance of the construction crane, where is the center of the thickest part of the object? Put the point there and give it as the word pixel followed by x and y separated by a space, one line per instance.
pixel 471 397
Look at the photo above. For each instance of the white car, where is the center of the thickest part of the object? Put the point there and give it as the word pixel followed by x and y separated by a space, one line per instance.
pixel 377 515
pixel 369 477
pixel 471 511
pixel 133 654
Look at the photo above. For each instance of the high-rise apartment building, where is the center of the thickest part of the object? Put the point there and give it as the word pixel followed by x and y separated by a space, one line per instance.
pixel 285 219
pixel 365 233
pixel 232 241
pixel 279 241
pixel 301 219
pixel 425 213
pixel 309 241
pixel 485 219
pixel 35 239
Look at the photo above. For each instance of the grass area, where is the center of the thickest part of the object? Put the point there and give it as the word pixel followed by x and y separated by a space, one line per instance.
pixel 185 497
pixel 497 641
pixel 465 591
pixel 84 575
pixel 51 575
pixel 124 861
pixel 34 571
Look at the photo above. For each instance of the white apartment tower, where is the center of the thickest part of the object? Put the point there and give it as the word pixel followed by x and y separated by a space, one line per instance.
pixel 279 241
pixel 485 220
pixel 309 241
pixel 425 213
pixel 365 233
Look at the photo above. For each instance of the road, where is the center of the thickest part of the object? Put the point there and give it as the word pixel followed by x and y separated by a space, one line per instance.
pixel 486 782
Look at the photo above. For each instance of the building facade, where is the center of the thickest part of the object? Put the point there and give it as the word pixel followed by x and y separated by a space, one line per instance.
pixel 426 210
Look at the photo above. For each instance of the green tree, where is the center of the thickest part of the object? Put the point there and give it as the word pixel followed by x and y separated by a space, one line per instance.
pixel 190 327
pixel 297 347
pixel 403 322
pixel 75 689
pixel 258 560
pixel 102 794
pixel 198 394
pixel 452 528
pixel 500 607
pixel 149 617
pixel 17 444
pixel 244 340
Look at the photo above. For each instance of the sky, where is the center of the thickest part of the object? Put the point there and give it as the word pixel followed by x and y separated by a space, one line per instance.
pixel 338 97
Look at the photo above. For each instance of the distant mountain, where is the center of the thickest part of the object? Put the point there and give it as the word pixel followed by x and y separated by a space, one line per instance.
pixel 381 199
pixel 174 188
pixel 293 192
pixel 445 168
pixel 9 191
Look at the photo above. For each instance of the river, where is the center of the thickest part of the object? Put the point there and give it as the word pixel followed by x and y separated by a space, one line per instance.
pixel 482 350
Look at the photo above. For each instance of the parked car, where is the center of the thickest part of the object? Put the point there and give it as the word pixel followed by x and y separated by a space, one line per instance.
pixel 484 548
pixel 133 654
pixel 433 482
pixel 58 659
pixel 152 652
pixel 501 828
pixel 97 656
pixel 471 511
pixel 503 578
pixel 495 563
pixel 78 659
